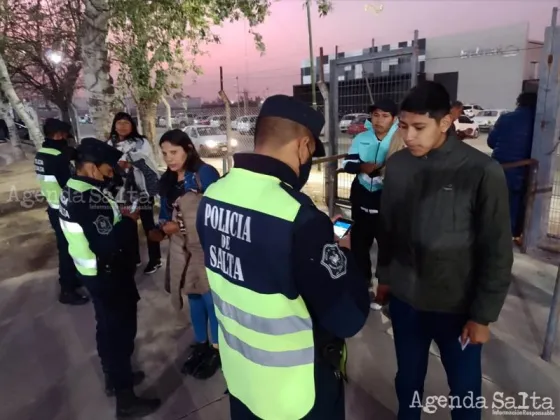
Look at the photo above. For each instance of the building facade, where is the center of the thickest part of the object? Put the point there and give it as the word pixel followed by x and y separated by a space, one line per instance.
pixel 359 71
pixel 487 67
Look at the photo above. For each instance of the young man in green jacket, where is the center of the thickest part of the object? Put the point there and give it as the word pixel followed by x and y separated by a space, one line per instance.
pixel 447 254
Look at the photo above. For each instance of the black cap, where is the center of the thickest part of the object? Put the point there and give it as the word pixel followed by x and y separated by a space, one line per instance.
pixel 289 108
pixel 385 105
pixel 98 152
pixel 54 125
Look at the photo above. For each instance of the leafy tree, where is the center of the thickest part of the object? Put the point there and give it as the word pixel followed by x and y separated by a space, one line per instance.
pixel 154 43
pixel 32 34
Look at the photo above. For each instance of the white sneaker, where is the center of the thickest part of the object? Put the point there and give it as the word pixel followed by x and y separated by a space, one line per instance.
pixel 375 306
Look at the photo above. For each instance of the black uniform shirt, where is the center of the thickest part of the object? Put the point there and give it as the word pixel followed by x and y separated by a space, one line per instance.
pixel 109 241
pixel 59 165
pixel 334 291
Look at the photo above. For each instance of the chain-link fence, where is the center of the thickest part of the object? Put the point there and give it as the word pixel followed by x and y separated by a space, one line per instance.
pixel 356 83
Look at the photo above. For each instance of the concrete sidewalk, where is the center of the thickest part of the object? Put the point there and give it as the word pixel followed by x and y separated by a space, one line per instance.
pixel 50 368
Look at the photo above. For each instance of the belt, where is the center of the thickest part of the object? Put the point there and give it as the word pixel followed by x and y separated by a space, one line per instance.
pixel 370 211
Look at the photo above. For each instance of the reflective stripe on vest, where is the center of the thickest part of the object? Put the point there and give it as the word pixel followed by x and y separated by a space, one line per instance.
pixel 48 183
pixel 78 246
pixel 266 340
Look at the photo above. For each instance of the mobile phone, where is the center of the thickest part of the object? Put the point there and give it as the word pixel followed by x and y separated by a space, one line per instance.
pixel 342 227
pixel 134 206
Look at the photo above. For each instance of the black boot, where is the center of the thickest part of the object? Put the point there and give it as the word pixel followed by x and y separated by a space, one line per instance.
pixel 209 365
pixel 129 405
pixel 137 378
pixel 197 355
pixel 72 297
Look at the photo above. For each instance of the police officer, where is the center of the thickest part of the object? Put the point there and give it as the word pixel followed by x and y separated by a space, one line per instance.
pixel 96 231
pixel 53 169
pixel 286 293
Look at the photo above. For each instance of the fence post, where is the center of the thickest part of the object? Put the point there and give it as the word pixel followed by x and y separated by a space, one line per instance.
pixel 332 132
pixel 545 133
pixel 552 326
pixel 227 159
pixel 325 94
pixel 414 62
pixel 529 203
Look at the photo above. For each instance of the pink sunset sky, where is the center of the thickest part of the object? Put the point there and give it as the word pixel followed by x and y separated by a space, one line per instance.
pixel 351 28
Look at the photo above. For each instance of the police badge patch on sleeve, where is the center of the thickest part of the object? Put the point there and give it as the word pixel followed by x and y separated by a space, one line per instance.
pixel 334 260
pixel 103 225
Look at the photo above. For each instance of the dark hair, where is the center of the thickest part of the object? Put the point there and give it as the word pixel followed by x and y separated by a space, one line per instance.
pixel 527 100
pixel 124 116
pixel 428 98
pixel 457 104
pixel 54 125
pixel 194 162
pixel 385 104
pixel 180 138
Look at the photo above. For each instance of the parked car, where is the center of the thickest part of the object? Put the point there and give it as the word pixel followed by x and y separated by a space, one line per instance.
pixel 161 121
pixel 472 110
pixel 218 121
pixel 22 131
pixel 357 126
pixel 464 123
pixel 247 124
pixel 202 120
pixel 86 119
pixel 348 119
pixel 209 141
pixel 182 120
pixel 487 118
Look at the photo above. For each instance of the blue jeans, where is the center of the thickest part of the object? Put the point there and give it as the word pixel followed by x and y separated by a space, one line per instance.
pixel 413 333
pixel 202 313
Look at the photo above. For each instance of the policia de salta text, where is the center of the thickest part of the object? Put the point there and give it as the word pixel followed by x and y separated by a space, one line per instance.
pixel 96 230
pixel 53 169
pixel 286 293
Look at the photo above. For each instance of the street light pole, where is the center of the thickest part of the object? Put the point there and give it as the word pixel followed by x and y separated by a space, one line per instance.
pixel 311 56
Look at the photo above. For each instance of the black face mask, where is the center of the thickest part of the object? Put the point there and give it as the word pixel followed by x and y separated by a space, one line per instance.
pixel 304 171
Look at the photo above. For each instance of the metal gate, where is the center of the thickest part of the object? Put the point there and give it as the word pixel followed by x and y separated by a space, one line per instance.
pixel 355 84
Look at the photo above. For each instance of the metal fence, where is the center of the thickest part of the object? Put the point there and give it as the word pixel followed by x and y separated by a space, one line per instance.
pixel 355 84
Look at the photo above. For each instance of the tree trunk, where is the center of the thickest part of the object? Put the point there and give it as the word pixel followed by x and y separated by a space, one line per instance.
pixel 147 115
pixel 168 123
pixel 6 86
pixel 75 123
pixel 64 112
pixel 96 66
pixel 6 115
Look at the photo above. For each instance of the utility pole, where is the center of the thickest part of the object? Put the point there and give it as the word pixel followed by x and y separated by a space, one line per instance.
pixel 311 56
pixel 238 96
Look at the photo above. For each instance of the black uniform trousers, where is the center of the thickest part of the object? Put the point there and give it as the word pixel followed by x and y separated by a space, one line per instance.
pixel 115 299
pixel 115 308
pixel 365 214
pixel 67 274
pixel 146 211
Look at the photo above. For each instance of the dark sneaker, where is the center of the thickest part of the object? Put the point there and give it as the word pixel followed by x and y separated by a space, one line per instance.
pixel 131 406
pixel 72 298
pixel 196 356
pixel 209 365
pixel 152 267
pixel 137 378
